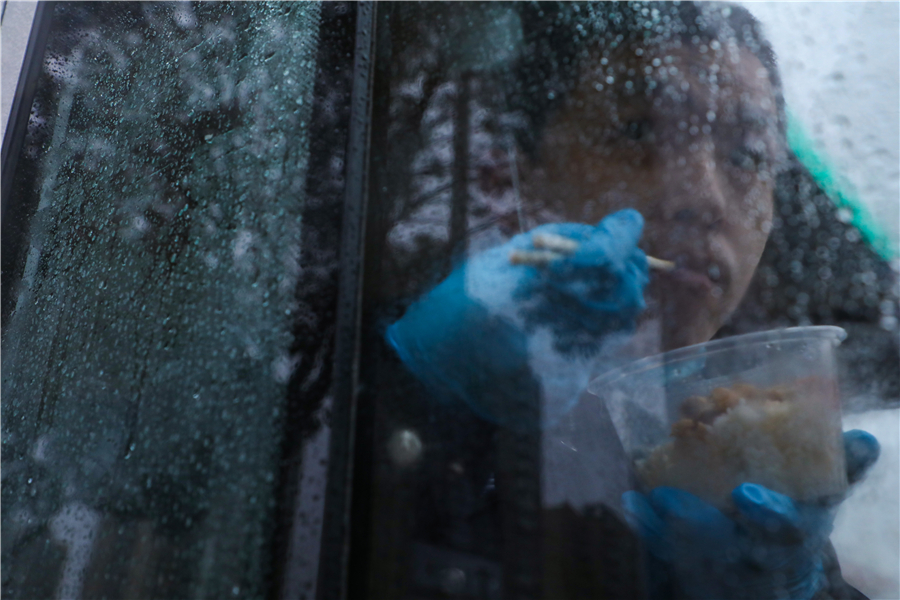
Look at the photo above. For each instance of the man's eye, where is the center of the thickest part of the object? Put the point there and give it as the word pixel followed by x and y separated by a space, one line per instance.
pixel 749 157
pixel 638 129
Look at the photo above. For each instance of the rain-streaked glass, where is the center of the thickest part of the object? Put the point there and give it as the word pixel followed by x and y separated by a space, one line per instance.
pixel 505 118
pixel 601 239
pixel 147 356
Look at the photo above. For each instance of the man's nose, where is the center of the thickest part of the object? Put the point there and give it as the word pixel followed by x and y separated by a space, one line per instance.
pixel 694 196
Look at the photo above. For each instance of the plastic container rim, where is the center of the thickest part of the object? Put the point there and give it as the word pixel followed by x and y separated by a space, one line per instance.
pixel 789 334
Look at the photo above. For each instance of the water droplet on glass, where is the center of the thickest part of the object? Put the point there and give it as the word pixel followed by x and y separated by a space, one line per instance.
pixel 404 447
pixel 844 215
pixel 453 581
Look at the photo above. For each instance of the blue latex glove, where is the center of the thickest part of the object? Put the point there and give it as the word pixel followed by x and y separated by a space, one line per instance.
pixel 772 549
pixel 596 290
pixel 476 335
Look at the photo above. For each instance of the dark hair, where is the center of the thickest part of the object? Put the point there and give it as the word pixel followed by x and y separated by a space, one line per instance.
pixel 556 35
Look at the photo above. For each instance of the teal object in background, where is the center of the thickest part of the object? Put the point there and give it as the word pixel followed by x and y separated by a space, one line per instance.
pixel 840 190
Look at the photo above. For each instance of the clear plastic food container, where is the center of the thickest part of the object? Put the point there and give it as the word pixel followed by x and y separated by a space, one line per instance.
pixel 761 408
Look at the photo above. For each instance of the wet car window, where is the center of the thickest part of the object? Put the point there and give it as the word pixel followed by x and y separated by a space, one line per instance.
pixel 508 279
pixel 150 340
pixel 455 300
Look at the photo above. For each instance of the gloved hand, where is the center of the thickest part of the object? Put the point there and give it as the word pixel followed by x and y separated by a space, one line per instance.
pixel 495 333
pixel 772 549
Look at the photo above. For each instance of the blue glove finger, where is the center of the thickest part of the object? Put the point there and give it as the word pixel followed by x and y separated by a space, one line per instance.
pixel 673 522
pixel 774 512
pixel 625 225
pixel 611 244
pixel 712 556
pixel 778 513
pixel 579 232
pixel 862 450
pixel 697 523
pixel 779 520
pixel 644 520
pixel 615 239
pixel 784 536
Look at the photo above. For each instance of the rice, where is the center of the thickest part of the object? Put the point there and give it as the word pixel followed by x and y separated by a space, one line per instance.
pixel 781 438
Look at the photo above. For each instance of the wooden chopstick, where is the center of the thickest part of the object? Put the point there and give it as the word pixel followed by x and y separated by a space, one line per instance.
pixel 660 264
pixel 550 247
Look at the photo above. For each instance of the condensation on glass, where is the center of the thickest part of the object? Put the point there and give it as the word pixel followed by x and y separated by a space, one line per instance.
pixel 147 356
pixel 156 325
pixel 507 117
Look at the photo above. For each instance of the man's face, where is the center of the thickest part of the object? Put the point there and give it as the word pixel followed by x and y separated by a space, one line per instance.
pixel 690 139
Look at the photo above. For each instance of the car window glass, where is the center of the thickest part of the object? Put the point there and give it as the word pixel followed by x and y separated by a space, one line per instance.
pixel 149 342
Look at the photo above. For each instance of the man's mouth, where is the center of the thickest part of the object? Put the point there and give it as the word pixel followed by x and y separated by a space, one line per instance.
pixel 690 278
pixel 692 275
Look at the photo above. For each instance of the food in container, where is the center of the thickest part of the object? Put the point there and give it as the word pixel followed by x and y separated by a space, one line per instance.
pixel 762 408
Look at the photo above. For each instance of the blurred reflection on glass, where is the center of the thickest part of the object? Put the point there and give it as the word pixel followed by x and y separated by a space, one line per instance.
pixel 675 111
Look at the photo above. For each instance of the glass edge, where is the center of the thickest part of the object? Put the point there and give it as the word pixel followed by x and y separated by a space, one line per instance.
pixel 838 334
